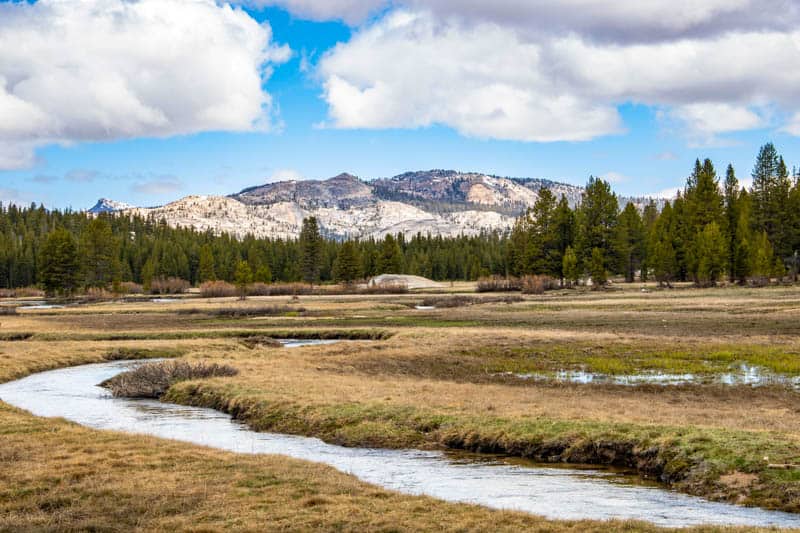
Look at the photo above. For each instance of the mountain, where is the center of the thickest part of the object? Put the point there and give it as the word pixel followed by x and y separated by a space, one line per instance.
pixel 439 202
pixel 104 205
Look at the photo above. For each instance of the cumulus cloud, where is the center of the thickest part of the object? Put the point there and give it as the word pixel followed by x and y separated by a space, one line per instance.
pixel 623 20
pixel 410 71
pixel 475 72
pixel 619 21
pixel 89 70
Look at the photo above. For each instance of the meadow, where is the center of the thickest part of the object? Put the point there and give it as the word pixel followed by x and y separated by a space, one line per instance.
pixel 459 376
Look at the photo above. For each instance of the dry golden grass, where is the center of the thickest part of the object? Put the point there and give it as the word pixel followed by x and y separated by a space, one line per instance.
pixel 434 367
pixel 55 476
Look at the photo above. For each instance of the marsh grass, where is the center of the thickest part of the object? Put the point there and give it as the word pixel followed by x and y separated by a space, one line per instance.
pixel 239 312
pixel 429 383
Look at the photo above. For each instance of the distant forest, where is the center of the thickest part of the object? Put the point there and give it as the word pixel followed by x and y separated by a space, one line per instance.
pixel 714 230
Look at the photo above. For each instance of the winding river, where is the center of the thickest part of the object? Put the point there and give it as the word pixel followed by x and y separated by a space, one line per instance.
pixel 557 493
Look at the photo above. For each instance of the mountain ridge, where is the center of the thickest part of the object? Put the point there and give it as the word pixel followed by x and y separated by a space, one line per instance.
pixel 438 202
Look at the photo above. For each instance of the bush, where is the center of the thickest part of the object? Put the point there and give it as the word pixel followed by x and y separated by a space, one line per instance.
pixel 259 341
pixel 169 286
pixel 217 289
pixel 286 289
pixel 97 294
pixel 129 287
pixel 499 284
pixel 22 292
pixel 449 301
pixel 236 312
pixel 461 300
pixel 386 287
pixel 152 380
pixel 538 284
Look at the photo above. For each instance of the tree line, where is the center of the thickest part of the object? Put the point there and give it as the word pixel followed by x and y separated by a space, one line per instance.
pixel 714 229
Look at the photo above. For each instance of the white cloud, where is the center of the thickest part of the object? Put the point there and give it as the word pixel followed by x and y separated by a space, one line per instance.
pixel 792 127
pixel 667 194
pixel 618 21
pixel 623 20
pixel 89 70
pixel 410 71
pixel 350 11
pixel 615 177
pixel 286 174
pixel 484 78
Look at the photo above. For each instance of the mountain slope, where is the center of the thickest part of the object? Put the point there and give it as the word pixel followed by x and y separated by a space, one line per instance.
pixel 439 202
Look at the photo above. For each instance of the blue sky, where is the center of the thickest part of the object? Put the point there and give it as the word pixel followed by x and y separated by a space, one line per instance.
pixel 643 141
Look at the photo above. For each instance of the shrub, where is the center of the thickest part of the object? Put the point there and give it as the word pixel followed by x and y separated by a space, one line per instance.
pixel 386 287
pixel 236 312
pixel 152 380
pixel 29 292
pixel 498 284
pixel 217 289
pixel 286 289
pixel 461 300
pixel 168 286
pixel 449 301
pixel 258 341
pixel 538 284
pixel 129 287
pixel 96 294
pixel 22 292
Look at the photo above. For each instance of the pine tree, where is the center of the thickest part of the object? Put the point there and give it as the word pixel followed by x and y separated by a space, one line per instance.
pixel 597 223
pixel 743 240
pixel 572 273
pixel 731 200
pixel 243 278
pixel 703 206
pixel 711 260
pixel 662 258
pixel 765 191
pixel 347 267
pixel 263 274
pixel 206 264
pixel 630 241
pixel 597 268
pixel 762 259
pixel 59 264
pixel 98 250
pixel 311 249
pixel 390 257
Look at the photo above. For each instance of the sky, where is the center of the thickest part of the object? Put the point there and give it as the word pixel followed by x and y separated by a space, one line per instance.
pixel 146 101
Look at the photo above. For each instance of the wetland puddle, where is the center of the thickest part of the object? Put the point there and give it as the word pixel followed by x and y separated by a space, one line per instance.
pixel 745 375
pixel 557 493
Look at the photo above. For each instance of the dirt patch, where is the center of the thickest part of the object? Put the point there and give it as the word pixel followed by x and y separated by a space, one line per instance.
pixel 738 480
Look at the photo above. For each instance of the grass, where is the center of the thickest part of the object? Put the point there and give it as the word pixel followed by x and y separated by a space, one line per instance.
pixel 432 382
pixel 60 477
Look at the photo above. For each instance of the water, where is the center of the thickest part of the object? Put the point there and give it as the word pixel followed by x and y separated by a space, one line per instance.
pixel 299 343
pixel 746 375
pixel 557 493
